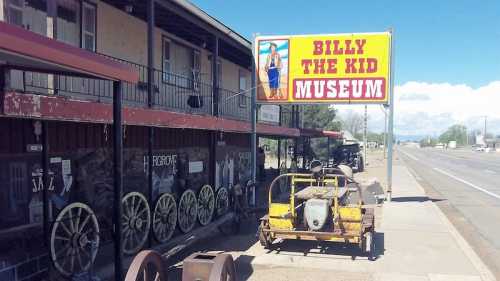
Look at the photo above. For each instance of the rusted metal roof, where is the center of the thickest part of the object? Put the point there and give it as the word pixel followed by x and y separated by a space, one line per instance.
pixel 24 49
pixel 316 133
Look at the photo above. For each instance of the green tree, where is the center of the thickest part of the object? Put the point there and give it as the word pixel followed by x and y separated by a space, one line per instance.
pixel 428 141
pixel 456 133
pixel 379 138
pixel 320 117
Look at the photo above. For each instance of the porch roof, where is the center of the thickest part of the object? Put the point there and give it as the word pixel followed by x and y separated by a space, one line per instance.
pixel 24 49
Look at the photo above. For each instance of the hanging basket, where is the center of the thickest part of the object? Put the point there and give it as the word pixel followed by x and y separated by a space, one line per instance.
pixel 195 101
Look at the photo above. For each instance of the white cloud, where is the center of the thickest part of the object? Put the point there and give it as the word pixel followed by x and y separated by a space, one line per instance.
pixel 423 108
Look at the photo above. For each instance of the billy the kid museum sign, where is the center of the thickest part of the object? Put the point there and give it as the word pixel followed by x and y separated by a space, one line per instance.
pixel 330 68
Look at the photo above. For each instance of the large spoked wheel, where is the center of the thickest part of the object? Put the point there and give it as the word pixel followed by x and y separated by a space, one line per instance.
pixel 74 240
pixel 187 211
pixel 223 269
pixel 206 202
pixel 136 221
pixel 164 217
pixel 147 266
pixel 221 201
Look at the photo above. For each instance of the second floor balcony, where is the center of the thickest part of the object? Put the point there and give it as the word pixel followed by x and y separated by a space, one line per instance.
pixel 171 92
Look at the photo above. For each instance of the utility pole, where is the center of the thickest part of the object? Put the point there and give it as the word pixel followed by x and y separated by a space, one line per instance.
pixel 365 137
pixel 485 122
pixel 390 136
pixel 385 130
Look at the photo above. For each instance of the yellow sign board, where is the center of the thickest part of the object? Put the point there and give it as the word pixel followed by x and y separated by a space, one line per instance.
pixel 328 68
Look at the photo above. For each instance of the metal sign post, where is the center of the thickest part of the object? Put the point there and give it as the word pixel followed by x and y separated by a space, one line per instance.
pixel 253 119
pixel 365 136
pixel 390 136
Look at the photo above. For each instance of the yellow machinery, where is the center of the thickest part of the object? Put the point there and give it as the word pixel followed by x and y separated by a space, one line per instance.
pixel 318 206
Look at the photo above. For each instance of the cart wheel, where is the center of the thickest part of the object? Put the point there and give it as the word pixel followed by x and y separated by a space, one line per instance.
pixel 264 238
pixel 368 245
pixel 205 204
pixel 221 201
pixel 372 254
pixel 187 211
pixel 147 265
pixel 74 240
pixel 164 217
pixel 136 221
pixel 223 269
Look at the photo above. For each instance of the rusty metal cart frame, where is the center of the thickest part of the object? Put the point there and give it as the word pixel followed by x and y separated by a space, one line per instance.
pixel 353 223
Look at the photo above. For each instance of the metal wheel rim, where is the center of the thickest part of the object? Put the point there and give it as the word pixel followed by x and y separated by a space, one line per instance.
pixel 206 204
pixel 187 211
pixel 221 201
pixel 136 221
pixel 74 236
pixel 164 217
pixel 145 265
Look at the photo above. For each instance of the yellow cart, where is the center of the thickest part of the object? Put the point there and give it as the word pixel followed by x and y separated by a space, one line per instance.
pixel 314 207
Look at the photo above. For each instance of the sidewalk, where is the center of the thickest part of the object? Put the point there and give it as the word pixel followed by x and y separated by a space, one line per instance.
pixel 415 241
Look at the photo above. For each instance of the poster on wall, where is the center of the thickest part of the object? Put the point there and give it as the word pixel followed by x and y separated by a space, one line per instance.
pixel 326 68
pixel 232 166
pixel 269 113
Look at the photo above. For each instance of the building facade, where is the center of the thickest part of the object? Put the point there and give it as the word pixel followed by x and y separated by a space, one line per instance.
pixel 187 117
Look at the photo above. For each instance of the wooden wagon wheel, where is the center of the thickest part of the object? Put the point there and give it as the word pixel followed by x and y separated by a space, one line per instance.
pixel 205 204
pixel 74 240
pixel 164 217
pixel 223 269
pixel 136 221
pixel 187 211
pixel 221 201
pixel 147 266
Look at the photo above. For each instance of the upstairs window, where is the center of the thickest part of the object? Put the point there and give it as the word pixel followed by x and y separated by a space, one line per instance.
pixel 88 26
pixel 68 22
pixel 15 12
pixel 29 14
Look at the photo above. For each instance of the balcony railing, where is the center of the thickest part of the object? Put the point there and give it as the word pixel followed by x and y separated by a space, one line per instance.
pixel 234 105
pixel 171 92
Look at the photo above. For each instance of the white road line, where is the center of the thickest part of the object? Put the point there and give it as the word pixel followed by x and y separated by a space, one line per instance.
pixel 409 155
pixel 468 183
pixel 489 171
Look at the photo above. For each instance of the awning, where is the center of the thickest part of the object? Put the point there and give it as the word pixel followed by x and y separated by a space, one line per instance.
pixel 24 49
pixel 315 133
pixel 61 108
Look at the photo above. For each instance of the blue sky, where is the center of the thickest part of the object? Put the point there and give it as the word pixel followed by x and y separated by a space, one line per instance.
pixel 452 41
pixel 447 52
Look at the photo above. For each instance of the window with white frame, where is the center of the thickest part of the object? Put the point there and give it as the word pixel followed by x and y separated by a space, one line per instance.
pixel 166 62
pixel 15 12
pixel 88 26
pixel 242 95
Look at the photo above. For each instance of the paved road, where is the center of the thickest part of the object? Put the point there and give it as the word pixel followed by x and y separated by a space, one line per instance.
pixel 466 185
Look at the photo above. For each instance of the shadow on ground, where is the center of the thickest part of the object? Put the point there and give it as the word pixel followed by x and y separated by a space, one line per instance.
pixel 221 243
pixel 327 250
pixel 415 199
